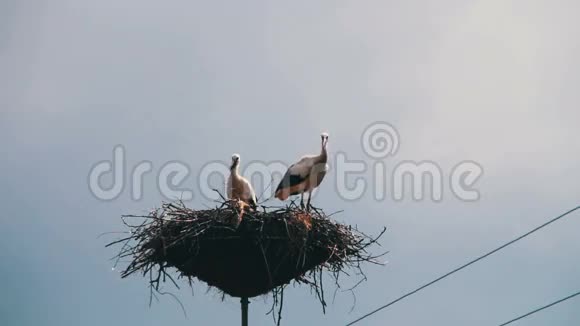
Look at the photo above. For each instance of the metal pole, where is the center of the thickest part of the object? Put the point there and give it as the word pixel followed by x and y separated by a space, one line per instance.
pixel 245 303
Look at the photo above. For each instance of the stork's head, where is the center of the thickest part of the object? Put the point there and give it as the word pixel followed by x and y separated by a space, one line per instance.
pixel 324 138
pixel 235 160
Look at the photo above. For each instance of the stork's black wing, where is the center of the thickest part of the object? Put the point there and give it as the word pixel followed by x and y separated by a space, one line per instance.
pixel 290 179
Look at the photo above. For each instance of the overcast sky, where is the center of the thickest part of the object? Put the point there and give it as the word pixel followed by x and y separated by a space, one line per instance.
pixel 492 81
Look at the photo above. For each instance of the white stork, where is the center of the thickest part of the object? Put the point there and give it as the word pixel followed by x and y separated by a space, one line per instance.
pixel 304 175
pixel 239 187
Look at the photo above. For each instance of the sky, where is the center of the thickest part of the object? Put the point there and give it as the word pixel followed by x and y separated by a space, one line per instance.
pixel 490 81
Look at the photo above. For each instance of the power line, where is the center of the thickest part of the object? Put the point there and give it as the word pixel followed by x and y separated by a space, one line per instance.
pixel 542 308
pixel 464 266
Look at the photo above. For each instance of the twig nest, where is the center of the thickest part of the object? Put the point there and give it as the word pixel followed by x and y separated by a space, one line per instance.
pixel 243 253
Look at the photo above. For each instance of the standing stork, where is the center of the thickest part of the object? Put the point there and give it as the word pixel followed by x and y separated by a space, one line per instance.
pixel 239 187
pixel 304 175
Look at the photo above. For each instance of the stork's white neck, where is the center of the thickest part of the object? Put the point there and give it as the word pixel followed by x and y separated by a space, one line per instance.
pixel 235 169
pixel 323 153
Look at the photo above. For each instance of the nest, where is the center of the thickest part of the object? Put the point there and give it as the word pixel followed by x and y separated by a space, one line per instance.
pixel 241 252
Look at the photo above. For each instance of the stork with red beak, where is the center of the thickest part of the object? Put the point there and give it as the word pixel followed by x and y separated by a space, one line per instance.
pixel 304 175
